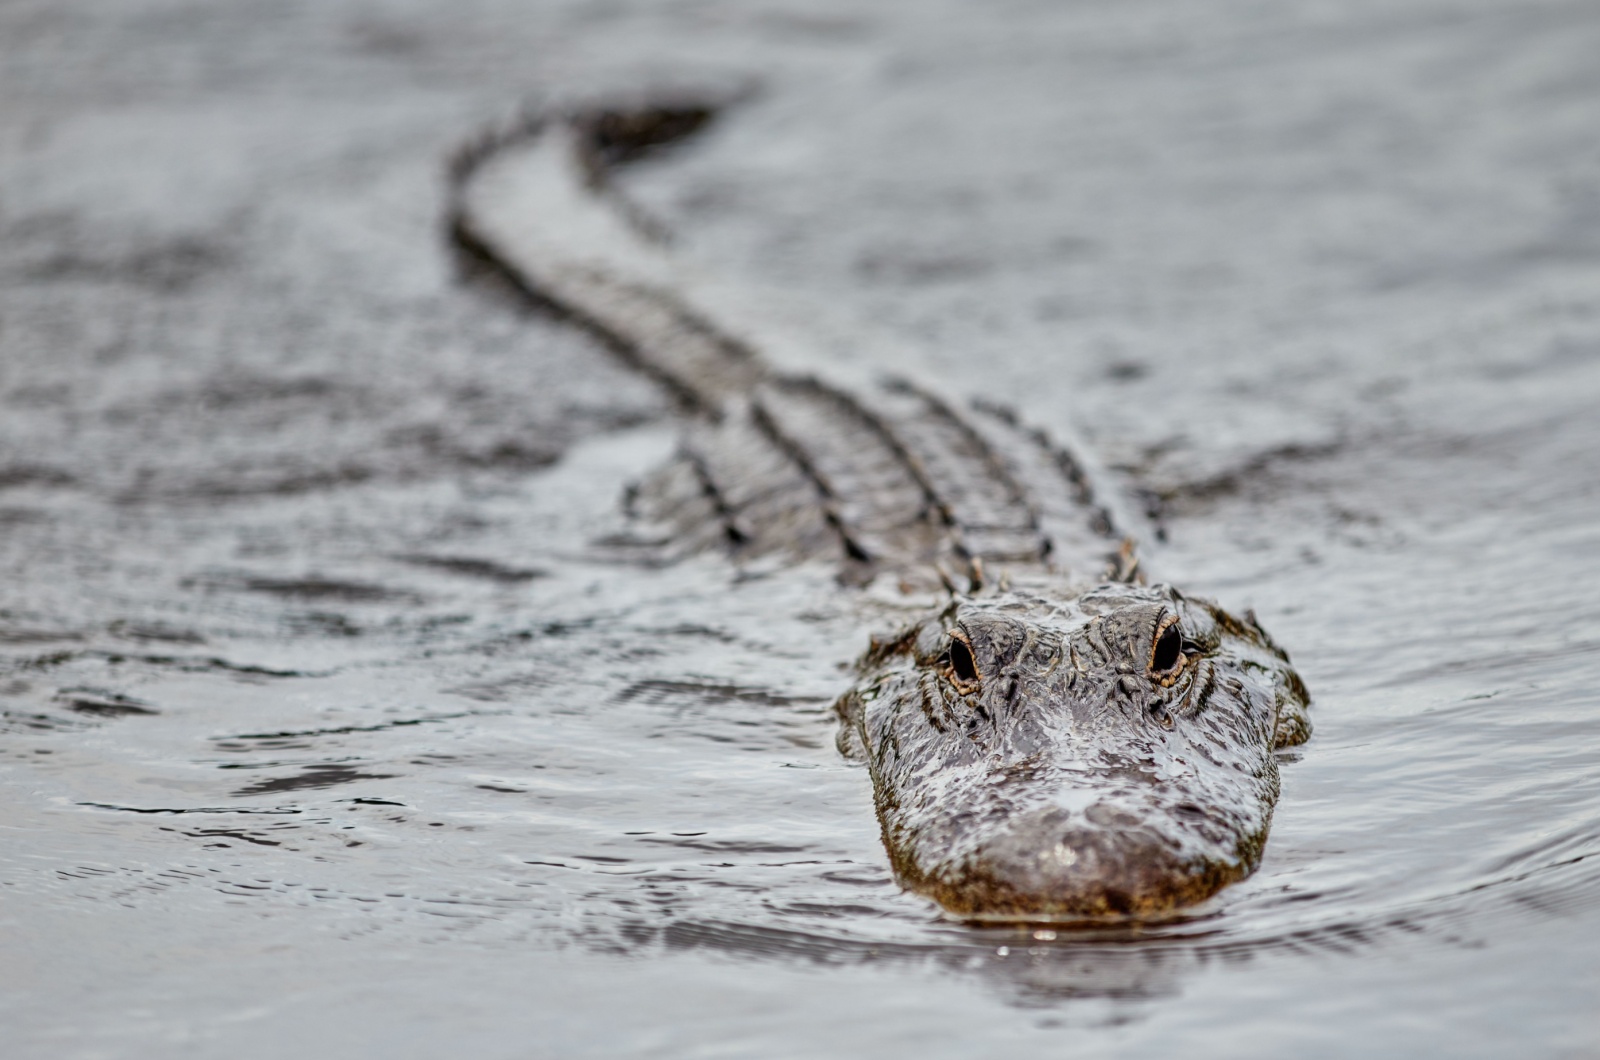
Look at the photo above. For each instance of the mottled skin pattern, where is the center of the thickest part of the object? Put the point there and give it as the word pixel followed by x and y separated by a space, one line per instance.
pixel 1079 747
pixel 1072 757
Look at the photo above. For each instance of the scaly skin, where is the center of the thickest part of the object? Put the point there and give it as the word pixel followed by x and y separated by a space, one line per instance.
pixel 1060 757
pixel 1075 750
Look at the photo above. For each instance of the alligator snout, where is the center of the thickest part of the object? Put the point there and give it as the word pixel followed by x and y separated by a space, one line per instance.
pixel 1049 866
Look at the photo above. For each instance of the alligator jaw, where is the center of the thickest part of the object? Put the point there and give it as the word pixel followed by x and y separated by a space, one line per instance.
pixel 1050 867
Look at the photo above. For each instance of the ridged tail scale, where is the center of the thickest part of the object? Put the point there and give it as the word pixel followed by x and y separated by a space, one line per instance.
pixel 889 477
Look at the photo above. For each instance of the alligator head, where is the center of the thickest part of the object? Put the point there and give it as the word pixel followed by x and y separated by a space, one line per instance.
pixel 1100 756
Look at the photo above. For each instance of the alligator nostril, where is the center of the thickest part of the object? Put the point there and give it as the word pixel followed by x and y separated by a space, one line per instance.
pixel 1159 714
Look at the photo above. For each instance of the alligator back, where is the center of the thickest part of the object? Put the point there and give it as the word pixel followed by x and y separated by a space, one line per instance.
pixel 884 475
pixel 1044 743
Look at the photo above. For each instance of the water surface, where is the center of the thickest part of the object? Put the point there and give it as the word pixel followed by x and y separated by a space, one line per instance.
pixel 337 717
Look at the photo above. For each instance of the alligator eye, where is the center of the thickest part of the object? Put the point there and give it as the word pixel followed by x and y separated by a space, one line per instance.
pixel 1168 651
pixel 963 667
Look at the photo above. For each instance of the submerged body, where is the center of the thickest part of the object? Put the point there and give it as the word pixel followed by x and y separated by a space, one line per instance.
pixel 1053 739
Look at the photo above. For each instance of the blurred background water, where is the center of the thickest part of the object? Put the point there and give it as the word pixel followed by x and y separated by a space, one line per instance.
pixel 330 724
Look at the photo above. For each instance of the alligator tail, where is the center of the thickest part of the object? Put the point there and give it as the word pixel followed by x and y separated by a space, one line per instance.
pixel 532 204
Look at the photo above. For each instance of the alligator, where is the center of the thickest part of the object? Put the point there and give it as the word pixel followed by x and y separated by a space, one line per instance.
pixel 1056 737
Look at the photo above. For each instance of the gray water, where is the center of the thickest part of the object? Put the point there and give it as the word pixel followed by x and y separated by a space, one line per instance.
pixel 335 721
